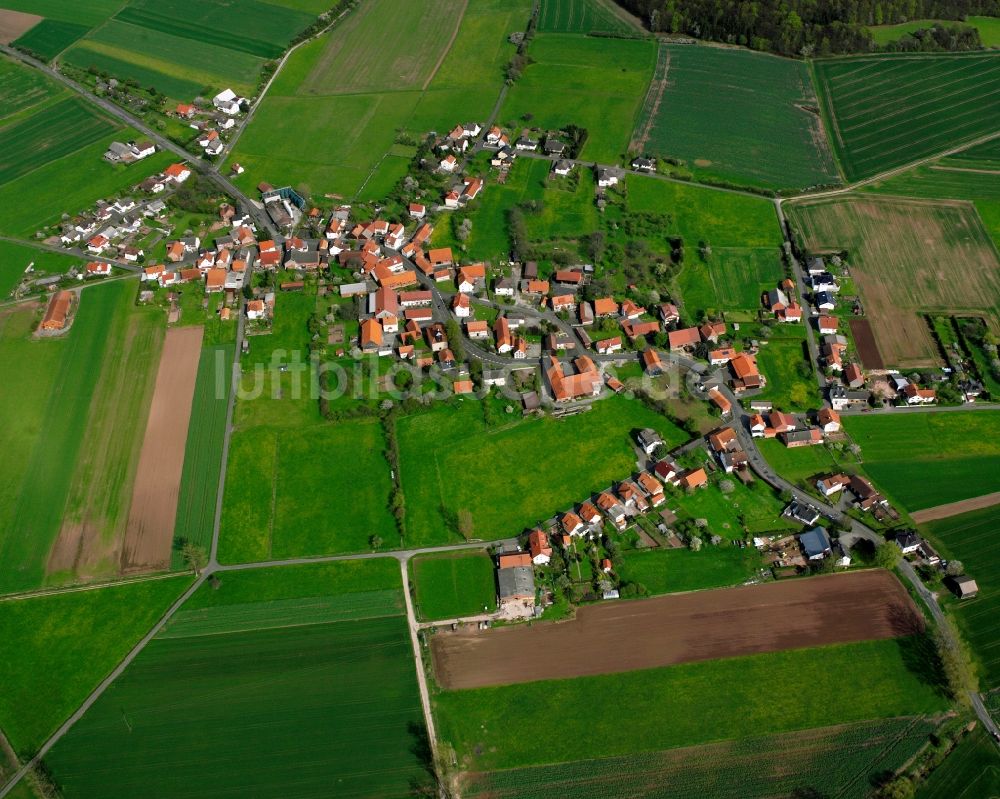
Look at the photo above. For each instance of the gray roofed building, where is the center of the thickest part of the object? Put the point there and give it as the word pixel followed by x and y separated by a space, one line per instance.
pixel 815 543
pixel 649 440
pixel 554 147
pixel 516 583
pixel 802 512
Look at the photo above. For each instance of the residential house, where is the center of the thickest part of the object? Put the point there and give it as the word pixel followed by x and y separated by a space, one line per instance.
pixel 609 345
pixel 829 420
pixel 914 395
pixel 613 510
pixel 720 401
pixel 853 376
pixel 501 332
pixel 684 339
pixel 539 547
pixel 834 484
pixel 695 478
pixel 649 440
pixel 586 382
pixel 651 362
pixel 827 324
pixel 605 306
pixel 477 329
pixel 571 523
pixel 461 306
pixel 643 164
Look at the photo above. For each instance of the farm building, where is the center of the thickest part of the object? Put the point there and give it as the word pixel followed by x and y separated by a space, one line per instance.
pixel 964 587
pixel 58 311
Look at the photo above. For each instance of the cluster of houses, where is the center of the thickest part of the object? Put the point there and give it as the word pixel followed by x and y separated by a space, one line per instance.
pixel 615 505
pixel 221 267
pixel 866 496
pixel 788 429
pixel 211 124
pixel 110 229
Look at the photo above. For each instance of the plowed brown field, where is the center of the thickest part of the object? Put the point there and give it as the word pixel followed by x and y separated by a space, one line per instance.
pixel 703 625
pixel 150 530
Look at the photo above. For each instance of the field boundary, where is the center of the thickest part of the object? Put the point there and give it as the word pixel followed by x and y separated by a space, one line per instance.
pixel 956 508
pixel 654 96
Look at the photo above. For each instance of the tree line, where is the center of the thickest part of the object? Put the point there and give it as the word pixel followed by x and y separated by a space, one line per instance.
pixel 806 28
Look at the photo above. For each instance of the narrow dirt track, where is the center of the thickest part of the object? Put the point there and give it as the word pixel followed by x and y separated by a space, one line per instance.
pixel 680 628
pixel 150 530
pixel 955 508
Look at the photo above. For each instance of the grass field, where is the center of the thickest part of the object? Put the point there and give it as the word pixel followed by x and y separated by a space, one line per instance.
pixel 838 761
pixel 453 585
pixel 906 256
pixel 584 16
pixel 60 376
pixel 738 116
pixel 15 258
pixel 594 83
pixel 90 13
pixel 756 508
pixel 784 361
pixel 358 85
pixel 535 468
pixel 566 212
pixel 883 34
pixel 47 136
pixel 295 491
pixel 972 770
pixel 666 571
pixel 723 220
pixel 203 451
pixel 972 539
pixel 298 688
pixel 885 111
pixel 686 705
pixel 926 459
pixel 58 648
pixel 730 278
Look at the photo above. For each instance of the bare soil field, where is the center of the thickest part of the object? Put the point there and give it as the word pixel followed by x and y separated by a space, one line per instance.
pixel 864 340
pixel 150 530
pixel 681 628
pixel 908 257
pixel 955 508
pixel 15 23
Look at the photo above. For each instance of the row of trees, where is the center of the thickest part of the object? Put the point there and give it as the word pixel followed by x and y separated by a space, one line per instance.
pixel 804 27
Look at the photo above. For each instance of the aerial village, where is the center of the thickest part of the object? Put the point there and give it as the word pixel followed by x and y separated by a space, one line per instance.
pixel 412 299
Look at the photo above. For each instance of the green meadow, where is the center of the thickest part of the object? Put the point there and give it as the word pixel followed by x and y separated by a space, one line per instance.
pixel 58 648
pixel 925 459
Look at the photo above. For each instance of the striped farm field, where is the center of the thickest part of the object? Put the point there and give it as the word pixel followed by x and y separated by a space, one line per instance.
pixel 50 37
pixel 62 129
pixel 736 115
pixel 843 760
pixel 584 16
pixel 972 539
pixel 888 110
pixel 203 451
pixel 295 681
